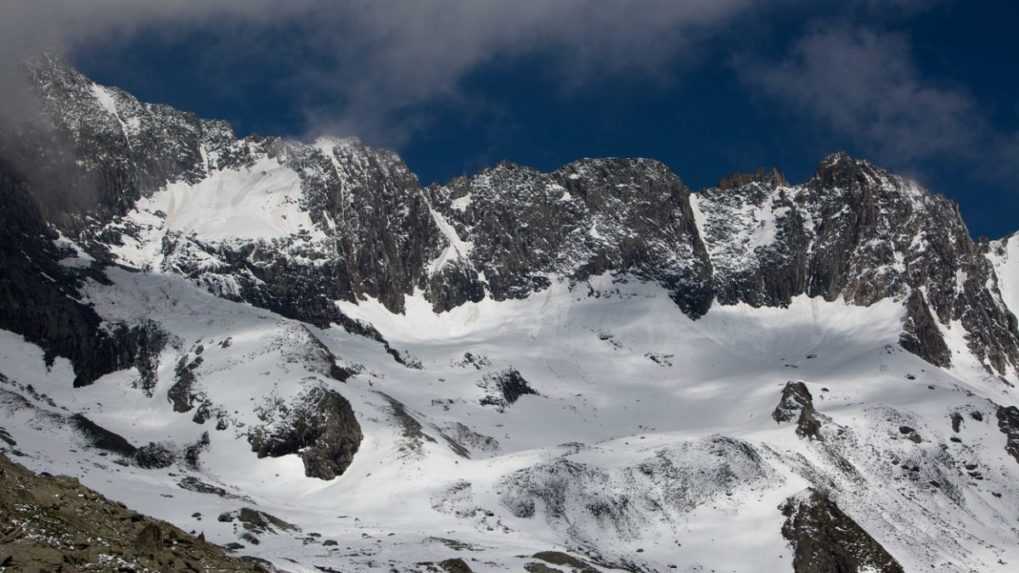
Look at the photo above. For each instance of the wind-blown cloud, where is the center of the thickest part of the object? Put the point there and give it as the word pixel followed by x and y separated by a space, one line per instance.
pixel 374 65
pixel 385 57
pixel 865 85
pixel 30 27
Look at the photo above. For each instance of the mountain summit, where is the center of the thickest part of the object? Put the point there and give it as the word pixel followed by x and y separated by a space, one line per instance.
pixel 328 366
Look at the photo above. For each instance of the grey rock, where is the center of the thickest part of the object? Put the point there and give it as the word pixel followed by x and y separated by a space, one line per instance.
pixel 858 232
pixel 154 456
pixel 627 216
pixel 100 437
pixel 1008 423
pixel 825 539
pixel 798 404
pixel 319 426
pixel 506 388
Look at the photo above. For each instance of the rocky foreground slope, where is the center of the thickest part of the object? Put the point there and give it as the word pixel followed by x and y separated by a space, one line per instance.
pixel 55 524
pixel 301 352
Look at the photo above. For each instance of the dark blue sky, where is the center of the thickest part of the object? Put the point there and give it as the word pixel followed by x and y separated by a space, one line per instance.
pixel 927 88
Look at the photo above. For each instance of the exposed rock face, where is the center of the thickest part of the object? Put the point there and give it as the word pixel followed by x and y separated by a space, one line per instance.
pixel 798 404
pixel 566 560
pixel 125 148
pixel 374 236
pixel 589 217
pixel 154 456
pixel 182 393
pixel 455 565
pixel 852 231
pixel 64 526
pixel 795 398
pixel 364 194
pixel 1008 423
pixel 100 437
pixel 856 231
pixel 193 453
pixel 920 332
pixel 319 425
pixel 825 539
pixel 39 296
pixel 506 387
pixel 258 521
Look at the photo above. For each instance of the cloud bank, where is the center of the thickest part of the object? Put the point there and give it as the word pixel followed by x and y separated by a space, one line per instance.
pixel 865 84
pixel 375 64
pixel 384 57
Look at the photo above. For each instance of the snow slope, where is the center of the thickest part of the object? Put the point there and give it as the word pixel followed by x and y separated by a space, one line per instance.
pixel 661 423
pixel 1004 255
pixel 585 361
pixel 261 201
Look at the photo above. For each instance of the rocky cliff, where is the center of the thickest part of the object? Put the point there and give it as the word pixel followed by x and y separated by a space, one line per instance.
pixel 429 375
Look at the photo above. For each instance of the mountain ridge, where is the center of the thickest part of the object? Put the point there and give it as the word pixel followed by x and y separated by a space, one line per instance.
pixel 582 364
pixel 370 229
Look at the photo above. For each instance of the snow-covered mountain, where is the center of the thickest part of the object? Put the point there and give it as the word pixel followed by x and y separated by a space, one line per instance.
pixel 297 350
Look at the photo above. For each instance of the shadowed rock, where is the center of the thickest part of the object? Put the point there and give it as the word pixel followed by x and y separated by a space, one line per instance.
pixel 798 404
pixel 154 456
pixel 320 426
pixel 64 526
pixel 921 335
pixel 1008 423
pixel 99 437
pixel 507 387
pixel 826 540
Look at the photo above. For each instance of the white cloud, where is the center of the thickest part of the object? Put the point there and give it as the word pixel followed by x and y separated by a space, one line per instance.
pixel 387 56
pixel 866 85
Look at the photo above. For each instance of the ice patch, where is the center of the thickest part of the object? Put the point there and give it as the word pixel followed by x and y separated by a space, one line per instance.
pixel 106 99
pixel 258 202
pixel 461 203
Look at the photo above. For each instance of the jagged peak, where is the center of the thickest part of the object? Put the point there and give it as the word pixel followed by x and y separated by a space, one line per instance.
pixel 579 167
pixel 771 176
pixel 328 143
pixel 353 156
pixel 588 164
pixel 501 172
pixel 840 168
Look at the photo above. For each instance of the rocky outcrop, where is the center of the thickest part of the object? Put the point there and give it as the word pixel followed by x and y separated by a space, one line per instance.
pixel 55 524
pixel 123 148
pixel 798 404
pixel 853 231
pixel 565 560
pixel 629 216
pixel 39 297
pixel 921 335
pixel 825 539
pixel 148 340
pixel 256 521
pixel 382 230
pixel 1008 423
pixel 182 393
pixel 319 426
pixel 101 438
pixel 455 565
pixel 857 232
pixel 154 456
pixel 505 388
